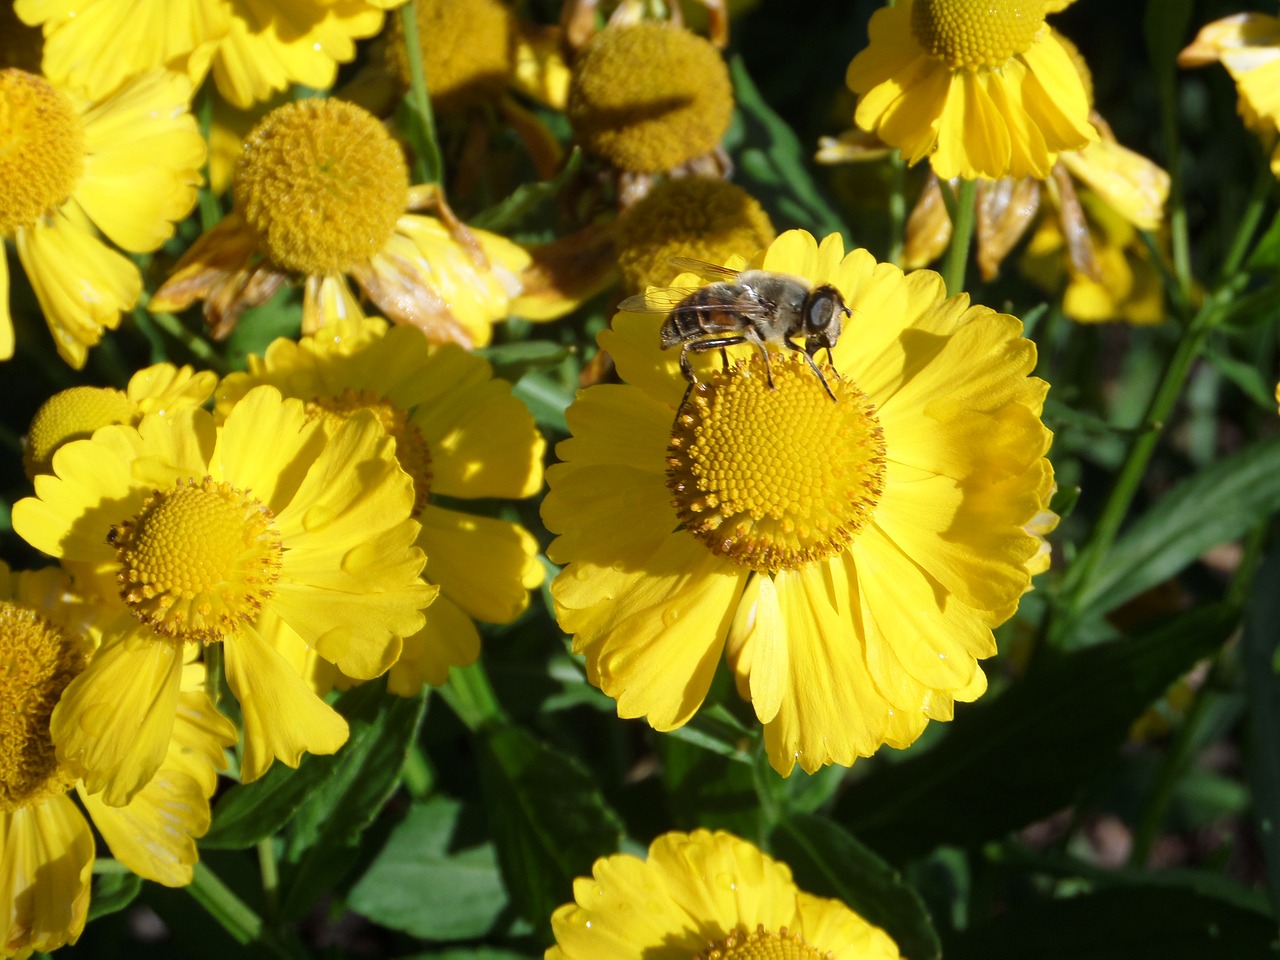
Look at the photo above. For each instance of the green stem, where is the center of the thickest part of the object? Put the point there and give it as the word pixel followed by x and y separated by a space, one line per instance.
pixel 471 697
pixel 1176 759
pixel 235 916
pixel 1177 209
pixel 197 346
pixel 270 875
pixel 429 166
pixel 897 208
pixel 1248 223
pixel 962 217
pixel 1083 572
pixel 209 212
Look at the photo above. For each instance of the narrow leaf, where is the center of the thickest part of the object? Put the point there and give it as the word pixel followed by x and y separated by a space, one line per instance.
pixel 113 892
pixel 1019 757
pixel 1242 490
pixel 547 817
pixel 826 860
pixel 324 835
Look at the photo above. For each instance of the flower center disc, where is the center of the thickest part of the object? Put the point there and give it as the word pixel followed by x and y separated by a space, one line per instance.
pixel 775 479
pixel 37 661
pixel 68 415
pixel 41 152
pixel 321 185
pixel 197 560
pixel 761 945
pixel 412 452
pixel 969 34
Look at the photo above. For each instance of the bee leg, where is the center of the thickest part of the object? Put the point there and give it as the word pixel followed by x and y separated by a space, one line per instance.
pixel 768 369
pixel 686 368
pixel 724 359
pixel 814 367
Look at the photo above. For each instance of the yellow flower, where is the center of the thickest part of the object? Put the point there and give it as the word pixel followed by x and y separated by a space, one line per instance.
pixel 128 165
pixel 322 191
pixel 459 433
pixel 74 414
pixel 649 97
pixel 1248 45
pixel 46 848
pixel 225 534
pixel 983 88
pixel 1118 280
pixel 705 894
pixel 849 557
pixel 254 48
pixel 700 217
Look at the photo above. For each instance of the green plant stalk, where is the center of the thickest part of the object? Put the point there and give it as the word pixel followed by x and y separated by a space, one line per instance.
pixel 1082 573
pixel 270 872
pixel 897 208
pixel 470 695
pixel 1177 215
pixel 197 346
pixel 1249 221
pixel 430 165
pixel 235 916
pixel 962 216
pixel 1181 752
pixel 209 212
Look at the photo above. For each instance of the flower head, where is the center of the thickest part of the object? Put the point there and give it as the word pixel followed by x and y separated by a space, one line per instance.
pixel 322 192
pixel 254 49
pixel 47 636
pixel 699 217
pixel 127 165
pixel 705 894
pixel 74 413
pixel 224 535
pixel 468 51
pixel 649 97
pixel 983 89
pixel 850 556
pixel 1248 45
pixel 459 433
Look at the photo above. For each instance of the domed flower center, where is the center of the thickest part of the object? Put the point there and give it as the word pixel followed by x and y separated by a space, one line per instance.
pixel 762 944
pixel 775 479
pixel 649 97
pixel 198 560
pixel 321 185
pixel 971 34
pixel 37 661
pixel 71 414
pixel 41 150
pixel 411 447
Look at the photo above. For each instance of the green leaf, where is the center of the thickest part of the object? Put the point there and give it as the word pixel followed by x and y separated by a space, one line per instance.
pixel 547 818
pixel 1262 688
pixel 1241 491
pixel 325 832
pixel 1166 32
pixel 1266 253
pixel 528 196
pixel 715 729
pixel 1009 761
pixel 424 882
pixel 546 400
pixel 774 167
pixel 511 361
pixel 112 892
pixel 1247 377
pixel 826 860
pixel 254 811
pixel 280 316
pixel 1133 923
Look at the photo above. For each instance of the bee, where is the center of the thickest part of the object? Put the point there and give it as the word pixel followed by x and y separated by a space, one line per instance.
pixel 758 307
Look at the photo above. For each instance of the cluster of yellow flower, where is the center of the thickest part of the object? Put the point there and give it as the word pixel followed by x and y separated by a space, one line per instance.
pixel 845 542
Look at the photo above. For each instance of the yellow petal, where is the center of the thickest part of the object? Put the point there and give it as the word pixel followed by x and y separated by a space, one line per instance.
pixel 113 723
pixel 81 283
pixel 46 858
pixel 449 639
pixel 155 834
pixel 283 718
pixel 478 562
pixel 769 653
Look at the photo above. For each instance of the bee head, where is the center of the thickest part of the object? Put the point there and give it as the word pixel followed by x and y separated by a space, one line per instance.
pixel 822 318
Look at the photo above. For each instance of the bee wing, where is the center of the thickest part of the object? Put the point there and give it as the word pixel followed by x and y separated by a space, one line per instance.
pixel 710 300
pixel 657 300
pixel 704 268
